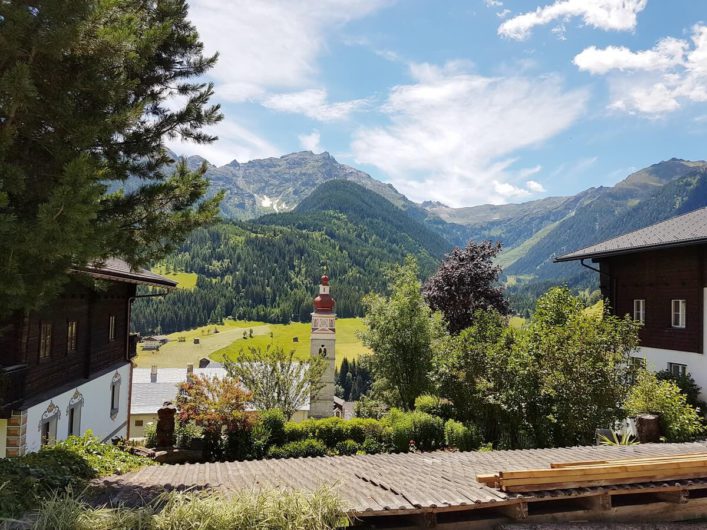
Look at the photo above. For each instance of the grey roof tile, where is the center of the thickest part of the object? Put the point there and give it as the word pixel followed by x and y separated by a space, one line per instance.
pixel 380 483
pixel 683 230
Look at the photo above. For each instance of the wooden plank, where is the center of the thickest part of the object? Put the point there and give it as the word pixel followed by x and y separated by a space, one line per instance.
pixel 555 465
pixel 487 478
pixel 590 470
pixel 644 475
pixel 599 482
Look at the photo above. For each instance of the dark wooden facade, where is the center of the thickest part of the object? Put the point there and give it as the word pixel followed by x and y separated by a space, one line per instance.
pixel 30 375
pixel 658 277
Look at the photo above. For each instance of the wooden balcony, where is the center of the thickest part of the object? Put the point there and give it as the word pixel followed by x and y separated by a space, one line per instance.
pixel 12 387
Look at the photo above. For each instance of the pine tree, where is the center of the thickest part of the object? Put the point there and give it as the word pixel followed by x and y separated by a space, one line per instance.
pixel 88 90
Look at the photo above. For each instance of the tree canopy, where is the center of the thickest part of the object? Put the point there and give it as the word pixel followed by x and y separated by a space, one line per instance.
pixel 89 92
pixel 402 331
pixel 466 280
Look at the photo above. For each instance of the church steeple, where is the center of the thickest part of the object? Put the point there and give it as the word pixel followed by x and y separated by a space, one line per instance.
pixel 322 344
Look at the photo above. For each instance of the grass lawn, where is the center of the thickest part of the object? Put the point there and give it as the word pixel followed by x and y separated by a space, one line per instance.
pixel 185 280
pixel 229 341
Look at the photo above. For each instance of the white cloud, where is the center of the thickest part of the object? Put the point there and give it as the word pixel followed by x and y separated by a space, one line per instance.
pixel 534 186
pixel 667 53
pixel 656 81
pixel 234 141
pixel 451 134
pixel 270 45
pixel 314 104
pixel 503 13
pixel 493 3
pixel 617 15
pixel 310 142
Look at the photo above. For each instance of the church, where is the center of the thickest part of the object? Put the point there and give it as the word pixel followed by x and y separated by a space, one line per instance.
pixel 323 344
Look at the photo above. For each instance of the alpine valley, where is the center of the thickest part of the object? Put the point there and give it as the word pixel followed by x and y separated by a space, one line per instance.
pixel 285 218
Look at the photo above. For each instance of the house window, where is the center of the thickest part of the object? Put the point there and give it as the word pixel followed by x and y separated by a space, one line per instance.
pixel 45 340
pixel 678 370
pixel 115 395
pixel 74 421
pixel 73 413
pixel 111 328
pixel 48 431
pixel 679 308
pixel 139 423
pixel 71 337
pixel 639 311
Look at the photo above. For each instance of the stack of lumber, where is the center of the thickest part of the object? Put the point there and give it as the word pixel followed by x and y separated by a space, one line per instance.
pixel 565 475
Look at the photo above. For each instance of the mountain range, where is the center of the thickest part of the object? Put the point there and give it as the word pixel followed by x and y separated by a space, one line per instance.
pixel 284 217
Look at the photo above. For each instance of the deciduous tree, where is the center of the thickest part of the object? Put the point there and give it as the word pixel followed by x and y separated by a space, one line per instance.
pixel 466 280
pixel 89 92
pixel 277 379
pixel 402 332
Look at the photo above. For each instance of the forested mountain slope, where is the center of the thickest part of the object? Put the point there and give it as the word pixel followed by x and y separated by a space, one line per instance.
pixel 269 269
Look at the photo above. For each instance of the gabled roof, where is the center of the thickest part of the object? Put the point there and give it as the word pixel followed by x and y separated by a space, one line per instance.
pixel 117 270
pixel 683 230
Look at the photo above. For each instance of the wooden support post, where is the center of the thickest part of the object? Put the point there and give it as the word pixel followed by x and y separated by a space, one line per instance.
pixel 517 511
pixel 677 497
pixel 600 502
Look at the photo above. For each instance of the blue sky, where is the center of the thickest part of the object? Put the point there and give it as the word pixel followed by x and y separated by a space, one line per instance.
pixel 465 102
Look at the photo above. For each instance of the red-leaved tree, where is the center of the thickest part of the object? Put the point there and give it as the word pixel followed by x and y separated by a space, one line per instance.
pixel 467 280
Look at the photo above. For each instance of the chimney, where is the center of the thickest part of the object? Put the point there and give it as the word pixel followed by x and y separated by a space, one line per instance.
pixel 153 374
pixel 190 371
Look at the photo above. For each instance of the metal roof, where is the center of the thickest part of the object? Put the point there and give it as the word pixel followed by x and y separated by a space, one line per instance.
pixel 118 270
pixel 388 483
pixel 683 230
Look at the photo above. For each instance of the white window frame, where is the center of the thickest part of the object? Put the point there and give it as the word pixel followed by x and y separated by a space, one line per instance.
pixel 111 328
pixel 115 395
pixel 74 409
pixel 639 310
pixel 678 308
pixel 677 369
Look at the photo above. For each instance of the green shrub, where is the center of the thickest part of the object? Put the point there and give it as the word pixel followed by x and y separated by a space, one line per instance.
pixel 460 436
pixel 330 431
pixel 687 386
pixel 274 422
pixel 151 434
pixel 299 449
pixel 425 430
pixel 367 407
pixel 348 447
pixel 436 406
pixel 679 421
pixel 66 464
pixel 186 434
pixel 294 432
pixel 371 446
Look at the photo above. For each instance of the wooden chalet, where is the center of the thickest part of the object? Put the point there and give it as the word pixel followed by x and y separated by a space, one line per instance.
pixel 66 368
pixel 658 275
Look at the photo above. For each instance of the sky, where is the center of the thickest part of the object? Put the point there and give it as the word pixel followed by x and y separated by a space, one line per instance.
pixel 461 101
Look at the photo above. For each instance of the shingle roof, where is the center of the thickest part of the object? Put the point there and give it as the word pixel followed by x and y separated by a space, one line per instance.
pixel 388 482
pixel 118 270
pixel 683 230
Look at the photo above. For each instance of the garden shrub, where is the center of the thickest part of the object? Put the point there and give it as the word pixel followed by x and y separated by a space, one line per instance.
pixel 425 430
pixel 678 419
pixel 687 386
pixel 273 421
pixel 299 449
pixel 436 406
pixel 294 432
pixel 330 431
pixel 70 464
pixel 347 447
pixel 151 435
pixel 460 436
pixel 187 434
pixel 370 446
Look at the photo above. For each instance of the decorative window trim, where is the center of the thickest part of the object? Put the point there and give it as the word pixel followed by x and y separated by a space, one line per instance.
pixel 76 403
pixel 680 313
pixel 115 395
pixel 50 417
pixel 639 310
